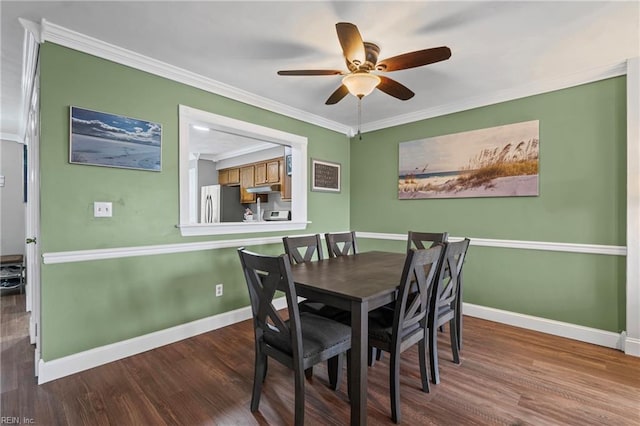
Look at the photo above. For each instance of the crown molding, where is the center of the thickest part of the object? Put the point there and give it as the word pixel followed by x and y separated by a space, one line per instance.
pixel 535 88
pixel 11 137
pixel 48 31
pixel 83 43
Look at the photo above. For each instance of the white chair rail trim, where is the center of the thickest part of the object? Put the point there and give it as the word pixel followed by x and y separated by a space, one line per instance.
pixel 124 252
pixel 518 244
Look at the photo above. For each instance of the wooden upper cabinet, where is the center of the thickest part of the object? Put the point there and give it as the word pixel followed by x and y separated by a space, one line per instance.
pixel 247 181
pixel 260 173
pixel 223 177
pixel 234 175
pixel 285 187
pixel 229 176
pixel 267 172
pixel 273 171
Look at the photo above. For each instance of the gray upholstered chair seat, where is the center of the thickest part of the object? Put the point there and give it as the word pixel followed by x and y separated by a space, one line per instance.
pixel 319 334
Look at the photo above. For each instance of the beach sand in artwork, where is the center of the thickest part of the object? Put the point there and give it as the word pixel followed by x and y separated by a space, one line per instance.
pixel 433 187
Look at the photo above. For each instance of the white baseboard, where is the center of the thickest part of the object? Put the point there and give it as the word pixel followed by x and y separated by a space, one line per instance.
pixel 632 346
pixel 61 367
pixel 557 328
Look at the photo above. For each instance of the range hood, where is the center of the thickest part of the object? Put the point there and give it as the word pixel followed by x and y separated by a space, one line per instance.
pixel 264 189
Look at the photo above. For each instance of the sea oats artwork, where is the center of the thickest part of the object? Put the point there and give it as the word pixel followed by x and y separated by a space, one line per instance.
pixel 498 161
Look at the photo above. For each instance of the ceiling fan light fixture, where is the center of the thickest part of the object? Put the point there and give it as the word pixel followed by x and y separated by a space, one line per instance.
pixel 361 84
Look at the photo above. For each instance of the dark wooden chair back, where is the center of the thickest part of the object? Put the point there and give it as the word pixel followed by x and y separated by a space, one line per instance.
pixel 303 249
pixel 445 305
pixel 410 315
pixel 412 304
pixel 265 275
pixel 341 244
pixel 448 283
pixel 418 239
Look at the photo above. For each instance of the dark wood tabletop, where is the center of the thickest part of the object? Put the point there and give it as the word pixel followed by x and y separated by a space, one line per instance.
pixel 359 284
pixel 358 277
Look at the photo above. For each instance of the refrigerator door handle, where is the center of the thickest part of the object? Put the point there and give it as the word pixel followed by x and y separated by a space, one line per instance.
pixel 209 209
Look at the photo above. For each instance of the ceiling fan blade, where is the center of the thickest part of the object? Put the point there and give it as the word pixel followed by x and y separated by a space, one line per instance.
pixel 337 96
pixel 351 42
pixel 310 72
pixel 395 89
pixel 414 59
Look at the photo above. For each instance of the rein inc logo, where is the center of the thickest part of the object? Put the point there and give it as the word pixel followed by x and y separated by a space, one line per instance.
pixel 9 420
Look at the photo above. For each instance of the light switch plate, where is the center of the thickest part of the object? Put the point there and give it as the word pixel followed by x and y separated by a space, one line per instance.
pixel 102 209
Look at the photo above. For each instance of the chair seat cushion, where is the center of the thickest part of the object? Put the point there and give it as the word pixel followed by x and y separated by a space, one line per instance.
pixel 318 335
pixel 381 325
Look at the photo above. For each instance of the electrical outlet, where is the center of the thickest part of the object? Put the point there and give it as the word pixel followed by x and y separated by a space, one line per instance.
pixel 219 290
pixel 102 209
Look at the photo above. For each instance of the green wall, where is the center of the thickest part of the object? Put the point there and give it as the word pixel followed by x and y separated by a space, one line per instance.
pixel 582 200
pixel 91 304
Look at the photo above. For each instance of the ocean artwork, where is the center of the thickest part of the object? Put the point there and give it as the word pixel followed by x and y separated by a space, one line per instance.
pixel 102 139
pixel 498 161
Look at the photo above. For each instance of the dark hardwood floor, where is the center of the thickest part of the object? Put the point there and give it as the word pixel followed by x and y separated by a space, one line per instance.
pixel 508 376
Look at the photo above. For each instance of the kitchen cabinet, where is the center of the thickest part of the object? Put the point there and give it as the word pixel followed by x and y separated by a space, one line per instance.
pixel 273 171
pixel 229 176
pixel 285 187
pixel 247 181
pixel 260 173
pixel 234 176
pixel 267 172
pixel 223 177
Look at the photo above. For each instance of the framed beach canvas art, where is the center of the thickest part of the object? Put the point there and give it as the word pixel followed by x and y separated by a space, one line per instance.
pixel 110 140
pixel 498 161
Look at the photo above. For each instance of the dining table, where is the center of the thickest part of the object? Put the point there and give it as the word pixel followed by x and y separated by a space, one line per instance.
pixel 357 283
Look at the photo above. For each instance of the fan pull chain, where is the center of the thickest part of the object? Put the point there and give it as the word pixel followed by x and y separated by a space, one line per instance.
pixel 359 116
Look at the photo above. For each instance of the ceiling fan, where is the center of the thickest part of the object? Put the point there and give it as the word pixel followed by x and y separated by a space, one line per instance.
pixel 362 59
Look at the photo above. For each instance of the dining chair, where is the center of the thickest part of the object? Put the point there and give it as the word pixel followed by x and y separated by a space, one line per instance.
pixel 303 249
pixel 299 342
pixel 445 305
pixel 341 243
pixel 418 239
pixel 398 330
pixel 306 249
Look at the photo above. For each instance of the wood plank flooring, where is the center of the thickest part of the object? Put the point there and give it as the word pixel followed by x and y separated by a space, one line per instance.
pixel 508 376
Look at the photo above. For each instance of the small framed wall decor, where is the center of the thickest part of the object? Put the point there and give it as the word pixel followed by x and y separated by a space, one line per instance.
pixel 325 176
pixel 110 140
pixel 288 164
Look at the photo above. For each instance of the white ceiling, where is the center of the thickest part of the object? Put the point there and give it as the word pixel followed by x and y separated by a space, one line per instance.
pixel 496 46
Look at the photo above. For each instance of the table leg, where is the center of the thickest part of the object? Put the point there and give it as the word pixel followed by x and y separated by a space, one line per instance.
pixel 358 373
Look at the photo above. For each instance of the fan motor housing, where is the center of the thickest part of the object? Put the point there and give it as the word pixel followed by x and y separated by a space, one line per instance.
pixel 371 51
